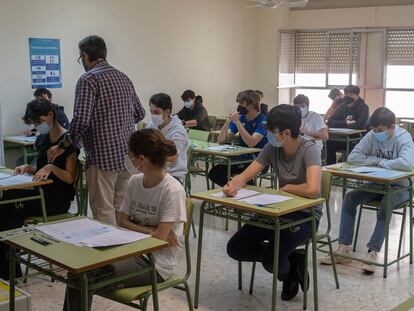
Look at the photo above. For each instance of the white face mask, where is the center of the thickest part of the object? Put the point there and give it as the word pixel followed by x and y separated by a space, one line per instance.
pixel 188 104
pixel 130 167
pixel 157 119
pixel 304 111
pixel 44 128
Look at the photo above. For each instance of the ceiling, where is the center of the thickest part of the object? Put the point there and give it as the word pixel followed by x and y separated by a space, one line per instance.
pixel 337 4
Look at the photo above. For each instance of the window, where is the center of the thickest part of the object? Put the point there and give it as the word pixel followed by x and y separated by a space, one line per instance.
pixel 400 102
pixel 318 99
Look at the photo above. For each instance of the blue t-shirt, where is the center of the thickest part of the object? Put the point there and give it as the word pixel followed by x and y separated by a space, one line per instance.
pixel 257 125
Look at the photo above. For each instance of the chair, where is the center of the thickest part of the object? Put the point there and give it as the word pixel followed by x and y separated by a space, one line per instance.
pixel 212 121
pixel 374 206
pixel 198 135
pixel 326 190
pixel 141 294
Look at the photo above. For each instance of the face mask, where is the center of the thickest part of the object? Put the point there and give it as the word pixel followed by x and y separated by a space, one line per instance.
pixel 271 137
pixel 44 128
pixel 130 167
pixel 381 136
pixel 241 110
pixel 348 100
pixel 304 111
pixel 188 104
pixel 157 119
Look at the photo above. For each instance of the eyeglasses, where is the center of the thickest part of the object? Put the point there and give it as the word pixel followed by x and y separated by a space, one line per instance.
pixel 79 59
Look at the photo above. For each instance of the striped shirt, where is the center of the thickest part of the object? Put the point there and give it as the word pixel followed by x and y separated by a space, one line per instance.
pixel 105 113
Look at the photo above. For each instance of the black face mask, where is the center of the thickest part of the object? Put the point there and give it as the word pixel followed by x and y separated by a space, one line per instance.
pixel 241 109
pixel 348 100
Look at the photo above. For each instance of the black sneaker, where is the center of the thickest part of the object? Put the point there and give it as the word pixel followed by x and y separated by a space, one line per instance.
pixel 290 288
pixel 297 262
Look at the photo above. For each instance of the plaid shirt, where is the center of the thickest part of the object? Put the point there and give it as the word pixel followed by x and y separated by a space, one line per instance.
pixel 105 113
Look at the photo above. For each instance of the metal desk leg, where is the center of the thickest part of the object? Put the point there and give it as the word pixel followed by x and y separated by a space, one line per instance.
pixel 199 248
pixel 12 276
pixel 84 292
pixel 275 264
pixel 228 179
pixel 388 211
pixel 24 149
pixel 314 263
pixel 43 204
pixel 154 283
pixel 410 207
pixel 240 268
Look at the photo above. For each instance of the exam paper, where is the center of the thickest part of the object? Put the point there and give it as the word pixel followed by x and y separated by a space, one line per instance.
pixel 365 169
pixel 241 194
pixel 88 232
pixel 16 180
pixel 385 174
pixel 340 130
pixel 25 139
pixel 4 175
pixel 265 199
pixel 221 148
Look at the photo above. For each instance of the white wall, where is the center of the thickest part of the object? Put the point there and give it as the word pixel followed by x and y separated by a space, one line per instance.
pixel 162 45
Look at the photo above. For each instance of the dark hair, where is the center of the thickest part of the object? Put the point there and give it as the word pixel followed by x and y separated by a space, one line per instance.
pixel 37 108
pixel 161 100
pixel 259 92
pixel 250 97
pixel 188 94
pixel 42 91
pixel 352 89
pixel 198 100
pixel 382 116
pixel 94 47
pixel 152 144
pixel 240 96
pixel 301 99
pixel 284 117
pixel 333 93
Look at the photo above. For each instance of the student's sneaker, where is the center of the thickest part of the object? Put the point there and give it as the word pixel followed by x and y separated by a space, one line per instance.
pixel 290 288
pixel 371 257
pixel 341 250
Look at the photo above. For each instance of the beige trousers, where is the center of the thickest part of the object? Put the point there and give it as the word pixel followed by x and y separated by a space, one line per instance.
pixel 106 192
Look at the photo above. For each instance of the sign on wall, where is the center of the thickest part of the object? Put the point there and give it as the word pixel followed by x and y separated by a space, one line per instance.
pixel 45 63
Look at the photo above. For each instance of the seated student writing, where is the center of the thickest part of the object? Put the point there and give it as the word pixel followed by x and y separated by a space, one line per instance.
pixel 194 115
pixel 59 194
pixel 154 204
pixel 388 146
pixel 298 165
pixel 312 122
pixel 172 129
pixel 250 124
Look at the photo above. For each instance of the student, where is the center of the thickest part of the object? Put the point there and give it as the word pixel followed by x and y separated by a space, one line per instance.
pixel 59 194
pixel 388 146
pixel 263 107
pixel 336 96
pixel 154 204
pixel 250 124
pixel 61 115
pixel 298 166
pixel 172 129
pixel 312 122
pixel 194 114
pixel 352 113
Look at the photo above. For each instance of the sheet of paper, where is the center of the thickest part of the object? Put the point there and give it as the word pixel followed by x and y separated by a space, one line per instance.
pixel 16 180
pixel 340 130
pixel 4 175
pixel 385 174
pixel 265 199
pixel 25 139
pixel 88 232
pixel 241 194
pixel 221 148
pixel 365 169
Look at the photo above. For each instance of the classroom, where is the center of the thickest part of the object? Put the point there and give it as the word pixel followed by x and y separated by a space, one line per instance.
pixel 206 155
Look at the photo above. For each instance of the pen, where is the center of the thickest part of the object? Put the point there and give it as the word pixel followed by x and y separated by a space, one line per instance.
pixel 51 239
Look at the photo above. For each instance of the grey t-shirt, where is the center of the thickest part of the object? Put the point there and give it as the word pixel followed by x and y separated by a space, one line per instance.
pixel 294 170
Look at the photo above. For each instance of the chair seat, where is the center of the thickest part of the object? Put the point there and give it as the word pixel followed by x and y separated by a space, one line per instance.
pixel 127 295
pixel 376 204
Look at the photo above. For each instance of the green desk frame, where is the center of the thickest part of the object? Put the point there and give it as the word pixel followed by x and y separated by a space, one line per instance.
pixel 26 149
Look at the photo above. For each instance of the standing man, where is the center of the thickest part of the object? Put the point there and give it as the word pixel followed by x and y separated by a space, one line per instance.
pixel 105 113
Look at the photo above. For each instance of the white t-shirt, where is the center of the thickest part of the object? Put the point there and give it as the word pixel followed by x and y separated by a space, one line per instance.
pixel 314 122
pixel 150 206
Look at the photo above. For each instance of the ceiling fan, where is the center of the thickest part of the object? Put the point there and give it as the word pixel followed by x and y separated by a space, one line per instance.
pixel 272 4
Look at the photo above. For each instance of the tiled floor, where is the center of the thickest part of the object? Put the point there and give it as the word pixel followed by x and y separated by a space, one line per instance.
pixel 219 277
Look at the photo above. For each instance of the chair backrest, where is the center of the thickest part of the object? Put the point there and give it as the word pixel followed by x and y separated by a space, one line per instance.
pixel 212 121
pixel 198 135
pixel 326 193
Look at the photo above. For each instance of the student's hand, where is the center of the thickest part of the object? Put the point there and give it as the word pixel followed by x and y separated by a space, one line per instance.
pixel 235 117
pixel 43 173
pixel 53 153
pixel 172 240
pixel 28 132
pixel 23 169
pixel 349 122
pixel 230 189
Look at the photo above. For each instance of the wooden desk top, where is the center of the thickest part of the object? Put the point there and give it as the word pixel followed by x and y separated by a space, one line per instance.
pixel 201 147
pixel 77 259
pixel 20 140
pixel 297 203
pixel 344 131
pixel 22 186
pixel 339 169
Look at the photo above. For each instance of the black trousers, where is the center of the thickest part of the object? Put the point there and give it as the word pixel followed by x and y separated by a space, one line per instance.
pixel 332 147
pixel 12 216
pixel 218 174
pixel 254 244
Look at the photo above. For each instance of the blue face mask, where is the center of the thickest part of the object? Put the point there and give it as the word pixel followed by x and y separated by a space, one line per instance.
pixel 381 136
pixel 44 128
pixel 304 111
pixel 271 137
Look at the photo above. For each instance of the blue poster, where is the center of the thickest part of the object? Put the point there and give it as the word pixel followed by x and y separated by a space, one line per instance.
pixel 45 66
